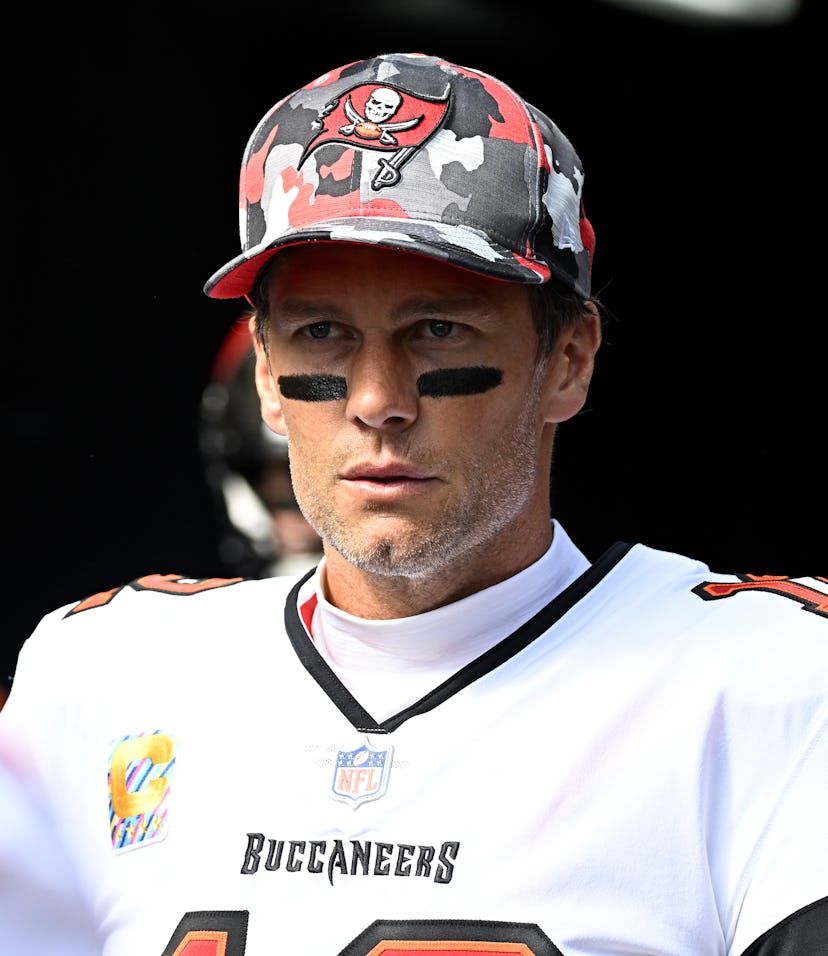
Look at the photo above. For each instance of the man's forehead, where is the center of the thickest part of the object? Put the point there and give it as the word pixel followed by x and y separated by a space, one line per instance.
pixel 331 271
pixel 312 304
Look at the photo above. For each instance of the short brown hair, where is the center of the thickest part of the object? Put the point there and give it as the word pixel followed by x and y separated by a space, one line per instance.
pixel 554 308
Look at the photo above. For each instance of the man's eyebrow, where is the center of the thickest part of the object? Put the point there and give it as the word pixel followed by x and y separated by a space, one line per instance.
pixel 302 309
pixel 440 305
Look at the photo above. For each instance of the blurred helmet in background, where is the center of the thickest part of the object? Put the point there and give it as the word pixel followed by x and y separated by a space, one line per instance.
pixel 262 532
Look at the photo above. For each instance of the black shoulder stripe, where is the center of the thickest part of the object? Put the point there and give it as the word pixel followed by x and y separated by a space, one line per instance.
pixel 803 933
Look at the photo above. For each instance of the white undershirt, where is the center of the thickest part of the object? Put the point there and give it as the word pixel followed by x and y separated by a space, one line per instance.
pixel 389 664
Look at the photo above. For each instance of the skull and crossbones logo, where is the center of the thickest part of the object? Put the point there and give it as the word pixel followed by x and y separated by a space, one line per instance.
pixel 381 105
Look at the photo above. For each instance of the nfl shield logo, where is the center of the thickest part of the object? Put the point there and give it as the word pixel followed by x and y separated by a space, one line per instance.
pixel 361 775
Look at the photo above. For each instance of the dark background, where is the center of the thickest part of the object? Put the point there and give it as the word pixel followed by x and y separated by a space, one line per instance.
pixel 705 432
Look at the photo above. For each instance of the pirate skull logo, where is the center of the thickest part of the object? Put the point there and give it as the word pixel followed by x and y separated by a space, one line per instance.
pixel 382 103
pixel 374 127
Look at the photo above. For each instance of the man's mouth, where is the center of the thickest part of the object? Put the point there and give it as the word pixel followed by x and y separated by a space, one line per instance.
pixel 385 474
pixel 387 482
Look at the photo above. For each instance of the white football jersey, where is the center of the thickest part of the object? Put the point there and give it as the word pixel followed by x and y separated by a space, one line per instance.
pixel 42 911
pixel 634 761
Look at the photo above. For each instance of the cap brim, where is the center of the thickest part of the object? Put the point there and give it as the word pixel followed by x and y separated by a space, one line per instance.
pixel 452 244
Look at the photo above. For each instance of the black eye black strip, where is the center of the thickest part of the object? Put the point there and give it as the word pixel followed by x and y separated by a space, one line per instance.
pixel 472 380
pixel 313 388
pixel 439 383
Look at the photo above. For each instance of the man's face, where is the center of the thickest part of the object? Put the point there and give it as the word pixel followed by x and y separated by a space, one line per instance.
pixel 414 411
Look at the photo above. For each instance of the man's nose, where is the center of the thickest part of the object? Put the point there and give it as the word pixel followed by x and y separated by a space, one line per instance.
pixel 382 388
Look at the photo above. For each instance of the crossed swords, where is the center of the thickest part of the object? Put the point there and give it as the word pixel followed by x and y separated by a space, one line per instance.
pixel 389 172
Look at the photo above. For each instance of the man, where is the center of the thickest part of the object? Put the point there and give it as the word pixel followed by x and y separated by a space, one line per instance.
pixel 456 735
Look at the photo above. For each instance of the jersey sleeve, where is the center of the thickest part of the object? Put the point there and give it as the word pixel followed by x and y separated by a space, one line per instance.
pixel 42 911
pixel 44 672
pixel 789 882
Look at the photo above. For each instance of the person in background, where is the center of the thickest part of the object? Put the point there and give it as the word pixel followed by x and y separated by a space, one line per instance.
pixel 262 531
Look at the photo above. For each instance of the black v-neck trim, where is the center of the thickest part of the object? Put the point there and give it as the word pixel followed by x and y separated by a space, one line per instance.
pixel 316 666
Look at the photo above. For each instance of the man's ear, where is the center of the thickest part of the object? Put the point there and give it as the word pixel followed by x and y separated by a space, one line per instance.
pixel 570 366
pixel 269 397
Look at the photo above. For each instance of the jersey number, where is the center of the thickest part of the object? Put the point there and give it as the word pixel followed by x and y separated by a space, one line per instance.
pixel 810 598
pixel 163 583
pixel 225 934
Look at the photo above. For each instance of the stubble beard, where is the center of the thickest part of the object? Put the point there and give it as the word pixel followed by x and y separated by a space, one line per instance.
pixel 507 478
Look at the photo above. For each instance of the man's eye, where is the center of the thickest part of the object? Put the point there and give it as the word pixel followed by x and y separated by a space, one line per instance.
pixel 440 329
pixel 319 330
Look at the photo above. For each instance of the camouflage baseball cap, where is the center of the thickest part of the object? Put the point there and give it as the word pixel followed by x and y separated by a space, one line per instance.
pixel 411 152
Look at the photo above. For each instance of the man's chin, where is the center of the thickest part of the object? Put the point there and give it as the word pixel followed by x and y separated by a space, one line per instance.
pixel 405 556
